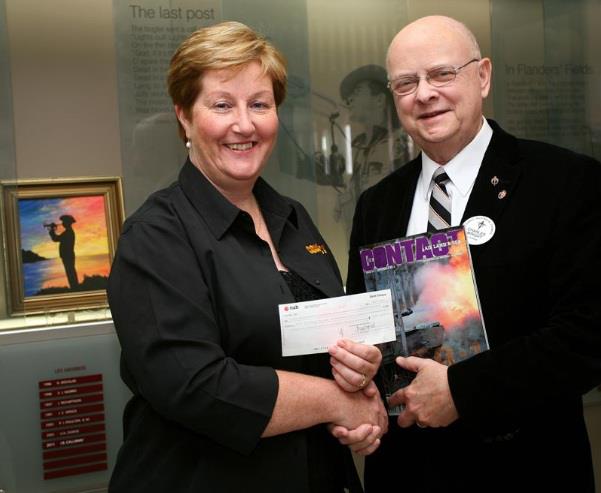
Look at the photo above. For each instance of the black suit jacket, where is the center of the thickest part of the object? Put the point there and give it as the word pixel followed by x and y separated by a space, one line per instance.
pixel 520 402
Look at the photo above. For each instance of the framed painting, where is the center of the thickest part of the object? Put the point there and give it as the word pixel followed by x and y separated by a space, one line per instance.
pixel 60 237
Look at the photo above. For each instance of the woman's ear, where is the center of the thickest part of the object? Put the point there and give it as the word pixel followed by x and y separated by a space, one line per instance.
pixel 183 120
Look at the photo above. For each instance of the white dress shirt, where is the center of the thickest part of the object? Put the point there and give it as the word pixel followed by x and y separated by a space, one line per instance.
pixel 462 171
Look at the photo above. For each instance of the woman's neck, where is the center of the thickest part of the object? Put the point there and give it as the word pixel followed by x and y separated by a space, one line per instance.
pixel 239 194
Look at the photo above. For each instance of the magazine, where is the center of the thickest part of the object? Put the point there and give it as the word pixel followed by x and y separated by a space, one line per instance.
pixel 435 301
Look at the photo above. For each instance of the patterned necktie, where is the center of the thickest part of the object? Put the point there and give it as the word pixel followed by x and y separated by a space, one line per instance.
pixel 439 215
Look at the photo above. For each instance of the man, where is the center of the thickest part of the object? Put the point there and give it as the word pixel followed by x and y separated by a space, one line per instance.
pixel 508 419
pixel 66 249
pixel 380 146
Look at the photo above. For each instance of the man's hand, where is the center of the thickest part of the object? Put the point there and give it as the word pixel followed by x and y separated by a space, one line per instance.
pixel 427 400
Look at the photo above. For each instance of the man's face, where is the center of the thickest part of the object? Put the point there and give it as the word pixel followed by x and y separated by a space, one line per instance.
pixel 441 120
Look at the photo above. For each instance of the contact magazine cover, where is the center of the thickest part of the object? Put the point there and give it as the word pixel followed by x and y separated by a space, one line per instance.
pixel 435 300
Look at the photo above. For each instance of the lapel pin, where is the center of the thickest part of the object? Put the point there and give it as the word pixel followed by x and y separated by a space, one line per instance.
pixel 495 181
pixel 314 248
pixel 502 194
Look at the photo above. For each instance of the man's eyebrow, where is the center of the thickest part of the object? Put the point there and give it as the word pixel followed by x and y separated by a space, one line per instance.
pixel 429 69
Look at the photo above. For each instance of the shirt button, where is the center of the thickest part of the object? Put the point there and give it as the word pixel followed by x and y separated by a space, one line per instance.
pixel 317 281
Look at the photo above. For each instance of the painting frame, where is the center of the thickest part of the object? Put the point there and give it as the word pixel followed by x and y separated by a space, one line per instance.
pixel 82 188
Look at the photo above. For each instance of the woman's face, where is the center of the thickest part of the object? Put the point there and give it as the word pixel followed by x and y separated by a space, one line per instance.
pixel 233 126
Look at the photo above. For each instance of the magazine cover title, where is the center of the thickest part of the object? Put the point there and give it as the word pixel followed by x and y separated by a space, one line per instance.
pixel 409 250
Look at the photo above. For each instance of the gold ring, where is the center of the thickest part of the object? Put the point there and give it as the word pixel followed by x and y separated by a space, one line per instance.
pixel 364 381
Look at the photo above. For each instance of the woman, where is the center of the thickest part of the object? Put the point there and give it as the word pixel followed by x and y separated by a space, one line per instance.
pixel 194 289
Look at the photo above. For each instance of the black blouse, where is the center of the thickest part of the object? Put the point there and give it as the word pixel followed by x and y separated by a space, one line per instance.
pixel 194 295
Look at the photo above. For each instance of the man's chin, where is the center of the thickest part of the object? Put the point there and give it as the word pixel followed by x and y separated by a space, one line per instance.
pixel 435 136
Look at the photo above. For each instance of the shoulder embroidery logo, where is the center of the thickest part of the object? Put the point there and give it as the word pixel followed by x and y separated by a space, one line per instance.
pixel 314 248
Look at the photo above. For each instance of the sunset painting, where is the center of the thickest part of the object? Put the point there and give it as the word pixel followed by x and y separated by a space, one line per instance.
pixel 64 244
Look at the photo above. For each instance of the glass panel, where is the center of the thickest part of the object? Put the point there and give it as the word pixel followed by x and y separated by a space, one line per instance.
pixel 357 139
pixel 548 71
pixel 572 41
pixel 146 35
pixel 338 129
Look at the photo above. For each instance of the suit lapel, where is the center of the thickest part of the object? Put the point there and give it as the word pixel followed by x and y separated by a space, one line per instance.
pixel 496 180
pixel 492 190
pixel 405 190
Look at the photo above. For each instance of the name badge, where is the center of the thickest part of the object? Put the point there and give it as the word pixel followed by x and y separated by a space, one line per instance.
pixel 479 229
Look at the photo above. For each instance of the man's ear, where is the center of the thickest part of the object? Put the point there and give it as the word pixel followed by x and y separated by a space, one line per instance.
pixel 485 75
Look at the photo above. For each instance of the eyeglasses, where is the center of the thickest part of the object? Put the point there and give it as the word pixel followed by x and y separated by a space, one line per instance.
pixel 438 77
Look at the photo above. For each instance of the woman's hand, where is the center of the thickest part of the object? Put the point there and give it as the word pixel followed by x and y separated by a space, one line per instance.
pixel 354 365
pixel 363 440
pixel 364 424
